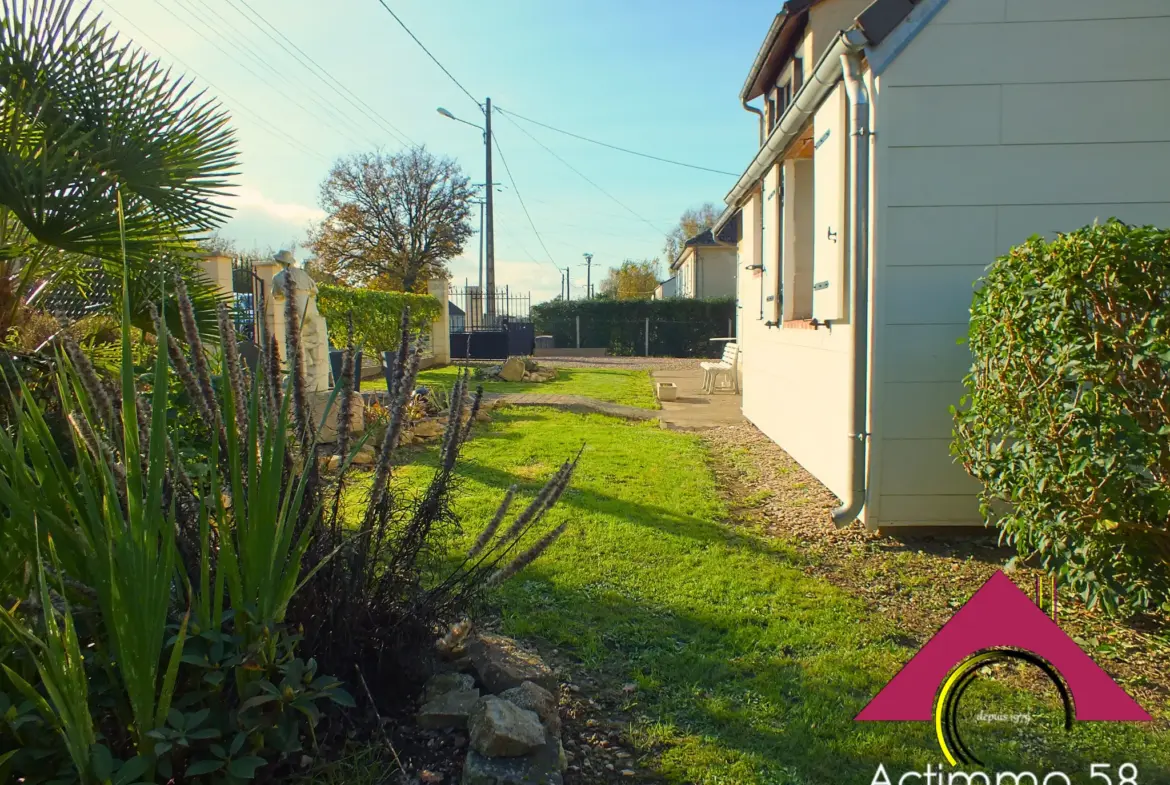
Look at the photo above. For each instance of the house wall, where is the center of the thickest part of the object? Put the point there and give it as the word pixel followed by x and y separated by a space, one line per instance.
pixel 796 377
pixel 1000 119
pixel 715 271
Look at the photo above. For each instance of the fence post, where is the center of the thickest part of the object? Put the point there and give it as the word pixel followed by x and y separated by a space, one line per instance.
pixel 647 336
pixel 578 331
pixel 729 328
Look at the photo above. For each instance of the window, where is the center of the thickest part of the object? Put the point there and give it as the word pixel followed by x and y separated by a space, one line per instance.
pixel 783 97
pixel 773 115
pixel 797 75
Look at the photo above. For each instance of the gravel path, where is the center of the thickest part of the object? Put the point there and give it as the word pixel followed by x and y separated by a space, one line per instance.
pixel 917 579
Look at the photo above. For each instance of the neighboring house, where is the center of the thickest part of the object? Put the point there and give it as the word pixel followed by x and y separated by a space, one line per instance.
pixel 904 146
pixel 457 316
pixel 706 267
pixel 667 289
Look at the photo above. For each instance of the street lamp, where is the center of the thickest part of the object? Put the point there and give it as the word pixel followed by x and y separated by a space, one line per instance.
pixel 489 235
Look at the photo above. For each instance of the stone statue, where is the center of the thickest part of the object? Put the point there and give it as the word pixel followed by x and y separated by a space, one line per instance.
pixel 314 335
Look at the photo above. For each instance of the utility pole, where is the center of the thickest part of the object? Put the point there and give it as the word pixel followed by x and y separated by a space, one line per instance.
pixel 588 276
pixel 489 237
pixel 568 284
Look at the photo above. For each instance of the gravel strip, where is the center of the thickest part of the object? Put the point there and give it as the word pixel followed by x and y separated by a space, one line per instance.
pixel 916 580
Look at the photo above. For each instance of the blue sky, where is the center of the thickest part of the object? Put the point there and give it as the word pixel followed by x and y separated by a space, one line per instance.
pixel 650 75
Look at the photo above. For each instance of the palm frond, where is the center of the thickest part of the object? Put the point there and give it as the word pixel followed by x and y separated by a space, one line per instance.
pixel 83 112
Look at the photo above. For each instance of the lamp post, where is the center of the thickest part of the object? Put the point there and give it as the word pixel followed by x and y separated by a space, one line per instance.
pixel 489 234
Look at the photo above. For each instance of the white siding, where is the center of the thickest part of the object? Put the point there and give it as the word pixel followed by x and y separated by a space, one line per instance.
pixel 1000 120
pixel 794 380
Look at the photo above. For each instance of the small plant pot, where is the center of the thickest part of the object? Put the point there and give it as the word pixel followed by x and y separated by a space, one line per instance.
pixel 667 391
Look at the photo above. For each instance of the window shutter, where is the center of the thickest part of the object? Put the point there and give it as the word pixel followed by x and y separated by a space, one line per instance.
pixel 829 209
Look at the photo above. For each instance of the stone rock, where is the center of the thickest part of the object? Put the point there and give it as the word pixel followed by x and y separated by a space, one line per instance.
pixel 536 698
pixel 426 429
pixel 530 364
pixel 482 417
pixel 365 456
pixel 449 710
pixel 442 683
pixel 542 767
pixel 501 664
pixel 513 370
pixel 501 729
pixel 328 463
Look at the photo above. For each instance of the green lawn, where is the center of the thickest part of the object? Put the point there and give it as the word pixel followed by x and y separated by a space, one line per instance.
pixel 631 388
pixel 748 669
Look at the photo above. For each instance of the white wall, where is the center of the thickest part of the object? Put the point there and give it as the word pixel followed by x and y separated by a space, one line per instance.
pixel 796 377
pixel 1001 119
pixel 715 272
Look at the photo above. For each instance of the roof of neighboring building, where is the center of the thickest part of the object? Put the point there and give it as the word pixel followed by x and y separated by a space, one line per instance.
pixel 728 235
pixel 784 27
pixel 877 21
pixel 873 25
pixel 454 310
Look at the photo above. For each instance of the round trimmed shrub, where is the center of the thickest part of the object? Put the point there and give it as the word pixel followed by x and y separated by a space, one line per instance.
pixel 1067 417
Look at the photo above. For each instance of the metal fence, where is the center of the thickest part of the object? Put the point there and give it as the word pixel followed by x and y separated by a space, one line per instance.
pixel 247 292
pixel 91 290
pixel 473 310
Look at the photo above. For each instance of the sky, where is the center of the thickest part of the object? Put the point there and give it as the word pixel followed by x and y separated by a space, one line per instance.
pixel 655 76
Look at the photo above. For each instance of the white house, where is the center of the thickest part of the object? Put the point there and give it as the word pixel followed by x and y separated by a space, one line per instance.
pixel 706 267
pixel 904 146
pixel 667 289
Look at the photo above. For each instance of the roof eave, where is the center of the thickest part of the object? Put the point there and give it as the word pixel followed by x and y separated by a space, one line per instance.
pixel 762 55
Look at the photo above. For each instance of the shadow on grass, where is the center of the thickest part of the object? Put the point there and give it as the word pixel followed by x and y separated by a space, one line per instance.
pixel 725 700
pixel 669 522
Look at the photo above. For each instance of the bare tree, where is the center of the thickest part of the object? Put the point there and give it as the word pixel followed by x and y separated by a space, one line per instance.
pixel 691 223
pixel 392 220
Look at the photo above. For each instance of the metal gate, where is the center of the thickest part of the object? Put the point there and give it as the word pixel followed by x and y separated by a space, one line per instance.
pixel 490 327
pixel 247 291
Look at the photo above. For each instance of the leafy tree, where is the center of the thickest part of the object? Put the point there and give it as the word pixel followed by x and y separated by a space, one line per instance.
pixel 394 220
pixel 634 280
pixel 87 119
pixel 691 223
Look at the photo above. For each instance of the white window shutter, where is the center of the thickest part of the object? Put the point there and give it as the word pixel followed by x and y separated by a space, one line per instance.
pixel 830 243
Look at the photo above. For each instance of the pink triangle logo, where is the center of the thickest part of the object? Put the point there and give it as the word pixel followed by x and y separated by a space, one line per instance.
pixel 1001 617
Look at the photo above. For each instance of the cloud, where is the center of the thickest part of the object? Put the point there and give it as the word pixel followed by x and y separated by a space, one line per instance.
pixel 252 200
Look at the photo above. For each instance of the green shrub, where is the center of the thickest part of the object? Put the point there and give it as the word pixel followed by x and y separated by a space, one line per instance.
pixel 376 315
pixel 1067 417
pixel 678 327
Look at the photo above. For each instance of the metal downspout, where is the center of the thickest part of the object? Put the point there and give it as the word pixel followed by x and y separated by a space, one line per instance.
pixel 759 112
pixel 859 105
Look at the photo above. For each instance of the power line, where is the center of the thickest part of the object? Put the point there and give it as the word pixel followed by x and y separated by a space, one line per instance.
pixel 584 177
pixel 325 118
pixel 512 180
pixel 428 51
pixel 246 45
pixel 615 147
pixel 323 74
pixel 240 105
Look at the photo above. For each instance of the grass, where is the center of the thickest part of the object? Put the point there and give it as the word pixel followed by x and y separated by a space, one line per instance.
pixel 629 388
pixel 748 669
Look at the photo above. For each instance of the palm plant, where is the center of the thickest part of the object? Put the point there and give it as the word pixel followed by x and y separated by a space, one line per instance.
pixel 82 115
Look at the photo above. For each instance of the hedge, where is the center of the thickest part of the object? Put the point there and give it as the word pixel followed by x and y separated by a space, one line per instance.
pixel 678 327
pixel 1067 417
pixel 377 315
